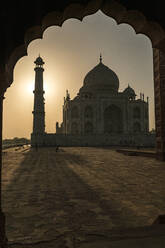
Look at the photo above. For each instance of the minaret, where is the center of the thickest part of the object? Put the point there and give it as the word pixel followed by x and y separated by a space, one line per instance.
pixel 39 109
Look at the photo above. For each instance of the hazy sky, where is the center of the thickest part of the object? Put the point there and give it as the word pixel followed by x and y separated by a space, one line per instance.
pixel 69 53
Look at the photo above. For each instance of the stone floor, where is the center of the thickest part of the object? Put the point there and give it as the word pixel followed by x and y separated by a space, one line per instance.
pixel 65 196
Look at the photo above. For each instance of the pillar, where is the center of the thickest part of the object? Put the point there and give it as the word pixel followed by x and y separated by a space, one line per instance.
pixel 159 88
pixel 3 239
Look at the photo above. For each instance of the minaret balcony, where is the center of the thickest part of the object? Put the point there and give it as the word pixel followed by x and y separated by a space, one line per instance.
pixel 38 91
pixel 38 112
pixel 39 69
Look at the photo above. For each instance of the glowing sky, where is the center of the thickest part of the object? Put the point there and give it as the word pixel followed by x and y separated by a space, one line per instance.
pixel 69 53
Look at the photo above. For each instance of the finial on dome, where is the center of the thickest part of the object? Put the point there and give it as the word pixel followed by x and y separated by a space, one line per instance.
pixel 100 58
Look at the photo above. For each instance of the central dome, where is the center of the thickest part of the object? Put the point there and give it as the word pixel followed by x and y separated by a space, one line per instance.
pixel 101 78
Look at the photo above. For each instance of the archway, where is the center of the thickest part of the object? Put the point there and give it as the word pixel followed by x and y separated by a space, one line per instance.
pixel 88 128
pixel 113 121
pixel 136 113
pixel 136 127
pixel 74 112
pixel 74 128
pixel 88 112
pixel 115 10
pixel 34 29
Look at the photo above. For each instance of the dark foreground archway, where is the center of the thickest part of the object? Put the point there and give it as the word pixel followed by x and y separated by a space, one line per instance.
pixel 20 24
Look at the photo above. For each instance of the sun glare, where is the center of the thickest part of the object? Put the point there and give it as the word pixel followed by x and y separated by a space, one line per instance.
pixel 30 88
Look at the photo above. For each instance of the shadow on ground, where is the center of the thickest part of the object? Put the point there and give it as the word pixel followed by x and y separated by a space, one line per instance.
pixel 46 199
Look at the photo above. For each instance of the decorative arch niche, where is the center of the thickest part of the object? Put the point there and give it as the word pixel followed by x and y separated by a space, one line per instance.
pixel 74 128
pixel 136 112
pixel 88 128
pixel 113 120
pixel 136 127
pixel 88 112
pixel 75 112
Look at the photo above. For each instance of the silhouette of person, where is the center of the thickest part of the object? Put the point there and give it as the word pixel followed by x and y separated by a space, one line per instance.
pixel 57 148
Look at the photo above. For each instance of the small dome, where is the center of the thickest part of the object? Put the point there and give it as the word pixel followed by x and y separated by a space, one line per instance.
pixel 101 78
pixel 39 61
pixel 129 92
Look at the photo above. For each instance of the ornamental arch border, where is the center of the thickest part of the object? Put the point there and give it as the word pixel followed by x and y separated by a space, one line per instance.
pixel 112 9
pixel 120 14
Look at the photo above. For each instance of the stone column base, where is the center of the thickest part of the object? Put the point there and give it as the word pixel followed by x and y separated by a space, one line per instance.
pixel 3 239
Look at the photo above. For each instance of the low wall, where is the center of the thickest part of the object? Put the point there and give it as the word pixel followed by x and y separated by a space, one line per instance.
pixel 137 153
pixel 145 140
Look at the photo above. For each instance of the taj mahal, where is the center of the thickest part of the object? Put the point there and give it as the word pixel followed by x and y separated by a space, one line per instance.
pixel 99 115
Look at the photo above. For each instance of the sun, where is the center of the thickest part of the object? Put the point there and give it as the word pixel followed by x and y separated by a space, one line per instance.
pixel 31 85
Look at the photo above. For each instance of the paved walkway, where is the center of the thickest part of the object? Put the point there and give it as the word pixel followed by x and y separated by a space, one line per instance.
pixel 47 195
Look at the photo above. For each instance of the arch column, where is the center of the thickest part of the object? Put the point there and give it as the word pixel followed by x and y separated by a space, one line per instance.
pixel 3 239
pixel 159 88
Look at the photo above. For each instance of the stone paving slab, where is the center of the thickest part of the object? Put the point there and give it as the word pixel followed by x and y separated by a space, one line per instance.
pixel 48 194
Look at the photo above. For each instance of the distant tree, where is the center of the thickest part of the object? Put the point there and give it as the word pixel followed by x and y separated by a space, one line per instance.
pixel 16 140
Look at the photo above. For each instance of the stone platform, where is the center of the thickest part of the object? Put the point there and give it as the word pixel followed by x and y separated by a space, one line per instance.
pixel 138 152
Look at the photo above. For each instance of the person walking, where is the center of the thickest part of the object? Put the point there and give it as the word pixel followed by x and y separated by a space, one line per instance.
pixel 57 148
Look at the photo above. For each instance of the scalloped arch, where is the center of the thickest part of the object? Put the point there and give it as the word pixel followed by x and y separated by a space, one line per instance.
pixel 112 9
